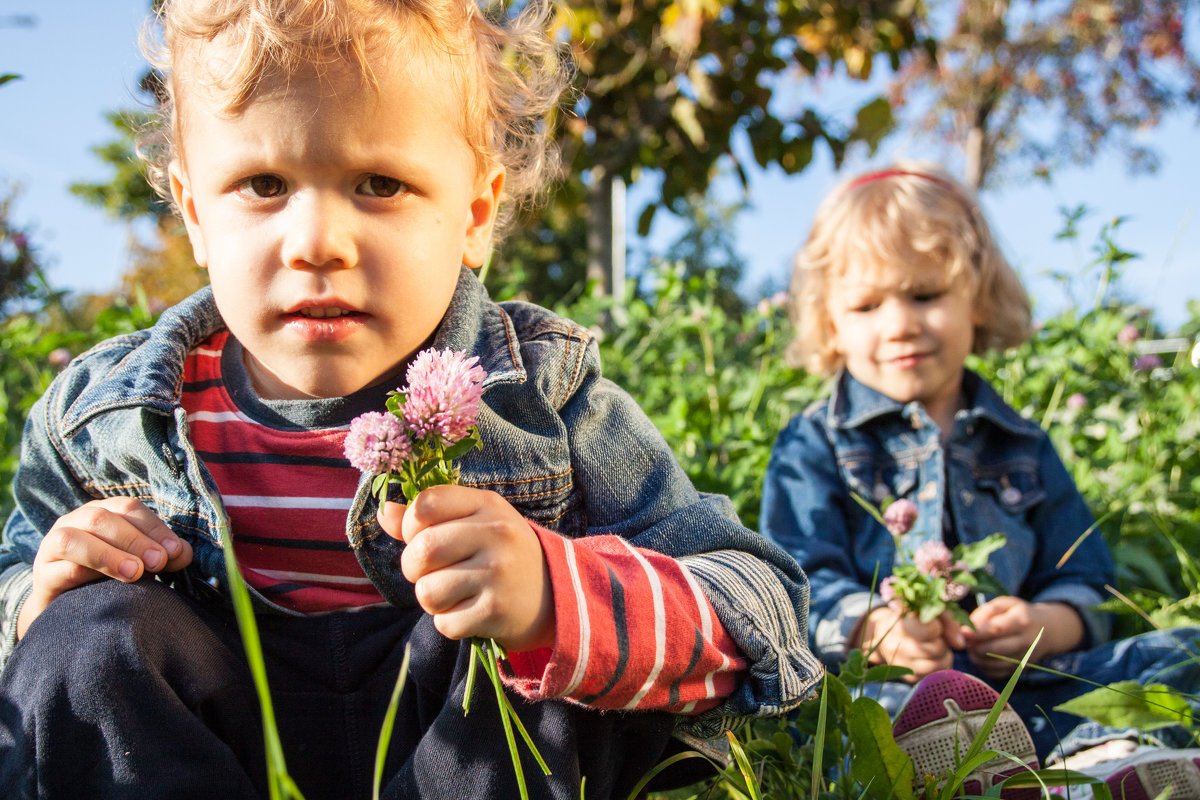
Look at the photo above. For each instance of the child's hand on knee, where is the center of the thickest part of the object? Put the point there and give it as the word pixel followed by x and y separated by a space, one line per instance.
pixel 1007 626
pixel 477 566
pixel 894 637
pixel 115 537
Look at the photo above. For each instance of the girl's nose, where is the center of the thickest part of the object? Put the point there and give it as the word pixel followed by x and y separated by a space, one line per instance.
pixel 319 232
pixel 901 318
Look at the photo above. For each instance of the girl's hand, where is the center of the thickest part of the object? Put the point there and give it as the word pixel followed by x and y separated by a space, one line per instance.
pixel 115 537
pixel 891 636
pixel 477 566
pixel 1006 626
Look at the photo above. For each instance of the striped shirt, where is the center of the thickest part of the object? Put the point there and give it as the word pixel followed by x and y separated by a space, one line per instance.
pixel 286 489
pixel 633 628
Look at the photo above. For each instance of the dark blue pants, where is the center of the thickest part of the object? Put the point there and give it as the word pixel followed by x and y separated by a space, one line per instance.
pixel 140 692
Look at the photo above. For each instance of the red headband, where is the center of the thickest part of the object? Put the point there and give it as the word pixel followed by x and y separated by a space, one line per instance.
pixel 892 173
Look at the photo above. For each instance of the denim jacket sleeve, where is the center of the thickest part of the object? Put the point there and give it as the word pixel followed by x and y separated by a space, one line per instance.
pixel 804 511
pixel 631 485
pixel 44 489
pixel 1058 522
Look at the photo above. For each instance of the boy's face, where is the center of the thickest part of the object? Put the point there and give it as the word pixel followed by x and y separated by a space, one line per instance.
pixel 905 332
pixel 333 219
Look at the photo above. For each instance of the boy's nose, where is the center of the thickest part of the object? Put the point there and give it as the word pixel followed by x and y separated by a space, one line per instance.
pixel 318 234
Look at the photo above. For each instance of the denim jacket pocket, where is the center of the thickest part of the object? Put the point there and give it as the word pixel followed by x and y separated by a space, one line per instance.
pixel 877 477
pixel 1014 488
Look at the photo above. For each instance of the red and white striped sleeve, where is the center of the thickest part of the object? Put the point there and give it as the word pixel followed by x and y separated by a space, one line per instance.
pixel 633 631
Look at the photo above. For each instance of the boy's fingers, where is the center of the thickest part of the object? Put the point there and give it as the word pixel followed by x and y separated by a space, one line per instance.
pixel 391 517
pixel 171 551
pixel 442 504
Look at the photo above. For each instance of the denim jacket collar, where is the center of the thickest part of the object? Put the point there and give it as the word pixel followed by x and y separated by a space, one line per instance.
pixel 150 376
pixel 853 404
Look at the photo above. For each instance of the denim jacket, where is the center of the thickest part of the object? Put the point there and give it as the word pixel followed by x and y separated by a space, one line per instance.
pixel 567 448
pixel 997 473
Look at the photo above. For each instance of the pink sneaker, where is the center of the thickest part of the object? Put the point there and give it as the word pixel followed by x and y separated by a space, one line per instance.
pixel 1147 776
pixel 939 722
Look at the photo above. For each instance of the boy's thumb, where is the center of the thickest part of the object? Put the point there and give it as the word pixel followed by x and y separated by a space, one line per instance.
pixel 391 518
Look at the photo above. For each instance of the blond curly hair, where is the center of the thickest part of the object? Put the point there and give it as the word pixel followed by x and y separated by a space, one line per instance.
pixel 908 213
pixel 509 72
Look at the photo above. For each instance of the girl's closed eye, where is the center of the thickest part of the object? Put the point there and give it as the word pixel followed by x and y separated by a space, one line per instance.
pixel 381 186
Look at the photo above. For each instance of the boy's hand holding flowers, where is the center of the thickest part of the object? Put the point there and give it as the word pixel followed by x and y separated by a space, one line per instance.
pixel 477 566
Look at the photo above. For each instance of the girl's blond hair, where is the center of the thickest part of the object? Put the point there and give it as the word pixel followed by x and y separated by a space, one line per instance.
pixel 908 213
pixel 509 72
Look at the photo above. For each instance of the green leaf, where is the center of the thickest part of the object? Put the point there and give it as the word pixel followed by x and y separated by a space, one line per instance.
pixel 389 721
pixel 461 447
pixel 1129 704
pixel 884 770
pixel 7 77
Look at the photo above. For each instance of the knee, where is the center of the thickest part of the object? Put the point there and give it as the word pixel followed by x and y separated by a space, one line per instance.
pixel 103 626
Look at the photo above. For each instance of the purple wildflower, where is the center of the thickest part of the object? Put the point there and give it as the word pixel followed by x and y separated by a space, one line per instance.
pixel 1147 362
pixel 887 588
pixel 59 357
pixel 954 591
pixel 377 443
pixel 900 516
pixel 1077 402
pixel 1129 334
pixel 933 559
pixel 20 241
pixel 442 398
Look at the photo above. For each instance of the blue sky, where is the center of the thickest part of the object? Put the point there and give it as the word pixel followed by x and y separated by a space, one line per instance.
pixel 81 60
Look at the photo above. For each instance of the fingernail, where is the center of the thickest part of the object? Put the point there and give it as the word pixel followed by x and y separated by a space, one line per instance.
pixel 153 559
pixel 173 547
pixel 128 568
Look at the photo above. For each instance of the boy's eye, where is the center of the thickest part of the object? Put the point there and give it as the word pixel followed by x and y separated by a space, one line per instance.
pixel 863 308
pixel 265 186
pixel 927 296
pixel 380 186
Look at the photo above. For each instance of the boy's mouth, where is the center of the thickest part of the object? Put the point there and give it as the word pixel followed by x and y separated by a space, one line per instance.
pixel 324 323
pixel 324 313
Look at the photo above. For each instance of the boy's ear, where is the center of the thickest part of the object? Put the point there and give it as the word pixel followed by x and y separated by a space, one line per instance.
pixel 481 218
pixel 182 193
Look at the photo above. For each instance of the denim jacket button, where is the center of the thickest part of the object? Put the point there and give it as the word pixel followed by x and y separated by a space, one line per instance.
pixel 1010 496
pixel 880 492
pixel 967 497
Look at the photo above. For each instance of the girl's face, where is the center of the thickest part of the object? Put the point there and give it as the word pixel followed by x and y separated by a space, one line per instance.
pixel 906 332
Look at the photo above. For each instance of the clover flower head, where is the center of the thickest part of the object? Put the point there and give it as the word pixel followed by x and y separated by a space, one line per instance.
pixel 59 357
pixel 377 443
pixel 954 591
pixel 1147 362
pixel 443 394
pixel 887 588
pixel 1129 334
pixel 900 516
pixel 933 559
pixel 1077 401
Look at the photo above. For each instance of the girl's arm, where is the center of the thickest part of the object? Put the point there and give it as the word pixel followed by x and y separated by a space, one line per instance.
pixel 804 510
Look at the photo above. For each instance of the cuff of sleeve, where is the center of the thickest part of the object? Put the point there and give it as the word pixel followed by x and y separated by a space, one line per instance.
pixel 17 585
pixel 545 673
pixel 1097 625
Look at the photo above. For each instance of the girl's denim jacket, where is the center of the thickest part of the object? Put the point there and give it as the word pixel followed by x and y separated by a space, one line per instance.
pixel 569 449
pixel 997 473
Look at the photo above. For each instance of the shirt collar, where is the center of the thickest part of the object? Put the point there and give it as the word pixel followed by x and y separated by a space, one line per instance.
pixel 853 404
